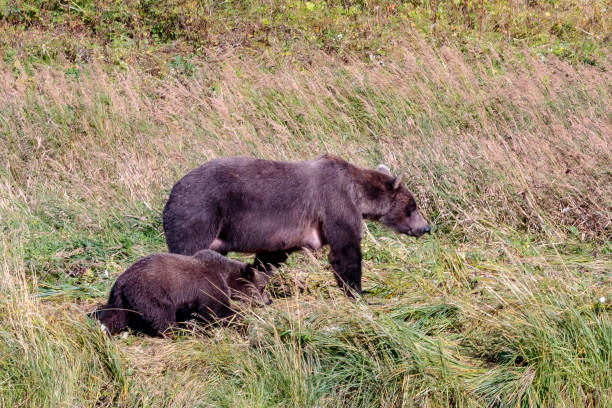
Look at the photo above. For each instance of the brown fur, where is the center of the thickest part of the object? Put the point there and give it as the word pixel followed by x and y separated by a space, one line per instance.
pixel 161 290
pixel 273 208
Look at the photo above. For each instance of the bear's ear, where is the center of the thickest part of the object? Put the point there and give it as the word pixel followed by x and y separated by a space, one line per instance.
pixel 384 169
pixel 247 272
pixel 265 277
pixel 395 183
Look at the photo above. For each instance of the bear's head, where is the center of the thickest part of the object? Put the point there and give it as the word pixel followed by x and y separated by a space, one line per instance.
pixel 402 213
pixel 250 286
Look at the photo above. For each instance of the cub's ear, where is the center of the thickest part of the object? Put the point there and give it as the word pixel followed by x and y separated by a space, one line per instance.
pixel 395 183
pixel 247 272
pixel 265 277
pixel 384 169
pixel 204 255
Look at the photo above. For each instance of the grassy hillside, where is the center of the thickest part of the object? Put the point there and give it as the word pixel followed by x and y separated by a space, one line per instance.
pixel 497 113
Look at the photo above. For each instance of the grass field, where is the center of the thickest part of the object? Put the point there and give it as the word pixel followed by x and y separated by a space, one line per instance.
pixel 498 114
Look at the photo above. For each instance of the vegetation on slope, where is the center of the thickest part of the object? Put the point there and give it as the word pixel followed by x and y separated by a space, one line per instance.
pixel 124 33
pixel 505 142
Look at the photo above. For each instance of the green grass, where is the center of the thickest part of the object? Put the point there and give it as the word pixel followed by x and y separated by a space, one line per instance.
pixel 168 36
pixel 499 121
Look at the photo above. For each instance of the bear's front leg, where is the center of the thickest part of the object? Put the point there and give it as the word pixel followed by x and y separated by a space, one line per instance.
pixel 344 240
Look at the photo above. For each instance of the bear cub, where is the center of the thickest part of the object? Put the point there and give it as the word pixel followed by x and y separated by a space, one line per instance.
pixel 161 290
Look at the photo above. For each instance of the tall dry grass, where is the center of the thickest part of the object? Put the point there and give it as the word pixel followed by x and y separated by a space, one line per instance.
pixel 51 356
pixel 522 142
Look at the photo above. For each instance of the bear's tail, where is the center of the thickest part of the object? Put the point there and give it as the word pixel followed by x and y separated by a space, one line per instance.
pixel 114 315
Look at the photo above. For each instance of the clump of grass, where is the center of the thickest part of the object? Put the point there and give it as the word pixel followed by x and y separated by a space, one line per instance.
pixel 557 351
pixel 52 357
pixel 331 355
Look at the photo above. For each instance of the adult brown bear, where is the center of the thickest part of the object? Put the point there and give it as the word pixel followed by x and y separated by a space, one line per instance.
pixel 159 291
pixel 272 208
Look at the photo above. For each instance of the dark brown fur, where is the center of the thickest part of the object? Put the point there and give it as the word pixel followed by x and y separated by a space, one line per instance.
pixel 161 290
pixel 273 208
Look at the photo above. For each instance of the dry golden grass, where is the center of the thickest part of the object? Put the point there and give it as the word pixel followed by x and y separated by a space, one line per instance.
pixel 527 143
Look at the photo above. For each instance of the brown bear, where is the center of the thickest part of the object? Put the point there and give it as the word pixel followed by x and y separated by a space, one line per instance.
pixel 158 291
pixel 272 208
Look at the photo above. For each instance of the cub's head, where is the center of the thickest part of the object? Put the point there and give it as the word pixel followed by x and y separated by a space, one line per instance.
pixel 400 210
pixel 249 286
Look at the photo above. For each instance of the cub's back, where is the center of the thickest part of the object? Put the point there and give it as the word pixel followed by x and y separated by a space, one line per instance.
pixel 173 273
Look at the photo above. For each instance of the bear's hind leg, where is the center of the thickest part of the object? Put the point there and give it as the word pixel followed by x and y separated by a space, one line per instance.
pixel 158 322
pixel 267 261
pixel 187 238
